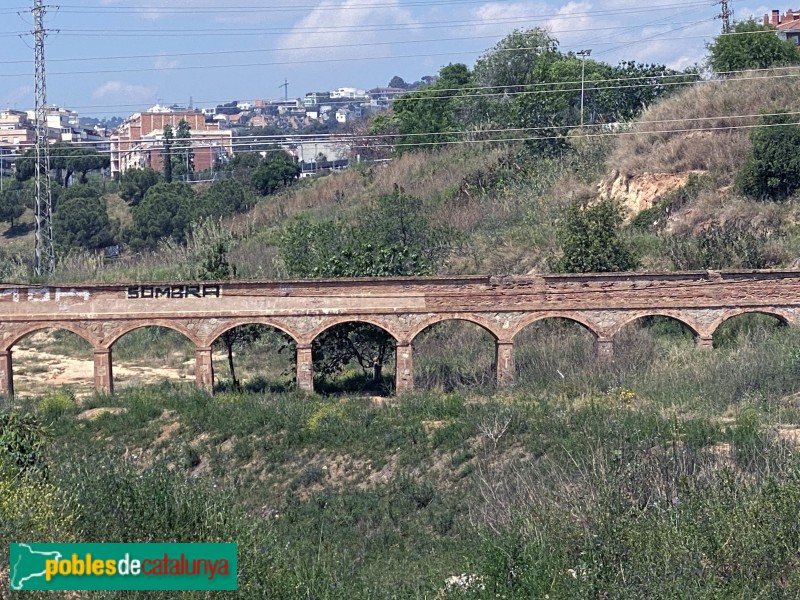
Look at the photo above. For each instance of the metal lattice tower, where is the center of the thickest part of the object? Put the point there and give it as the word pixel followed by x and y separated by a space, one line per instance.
pixel 43 247
pixel 726 14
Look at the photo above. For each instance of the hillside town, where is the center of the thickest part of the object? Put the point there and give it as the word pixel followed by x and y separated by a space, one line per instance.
pixel 137 141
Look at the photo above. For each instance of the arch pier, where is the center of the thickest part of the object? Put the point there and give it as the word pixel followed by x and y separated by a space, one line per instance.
pixel 404 307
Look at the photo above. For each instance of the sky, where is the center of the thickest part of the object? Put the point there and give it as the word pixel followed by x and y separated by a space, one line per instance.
pixel 109 58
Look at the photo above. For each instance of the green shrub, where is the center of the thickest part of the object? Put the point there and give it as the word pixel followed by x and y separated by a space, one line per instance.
pixel 773 171
pixel 23 441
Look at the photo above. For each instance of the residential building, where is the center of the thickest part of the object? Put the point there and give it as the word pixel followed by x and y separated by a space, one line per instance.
pixel 139 141
pixel 349 93
pixel 788 24
pixel 16 129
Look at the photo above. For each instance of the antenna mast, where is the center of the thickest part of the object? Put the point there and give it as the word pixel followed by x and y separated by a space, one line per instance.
pixel 44 254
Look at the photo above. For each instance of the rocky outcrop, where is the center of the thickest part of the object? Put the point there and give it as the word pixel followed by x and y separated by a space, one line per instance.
pixel 638 193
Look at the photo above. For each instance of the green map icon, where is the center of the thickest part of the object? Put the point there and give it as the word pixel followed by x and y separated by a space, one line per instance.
pixel 28 564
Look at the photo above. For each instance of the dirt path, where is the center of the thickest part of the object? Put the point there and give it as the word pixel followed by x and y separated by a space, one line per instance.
pixel 37 372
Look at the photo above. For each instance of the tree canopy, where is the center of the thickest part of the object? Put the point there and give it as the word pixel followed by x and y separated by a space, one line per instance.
pixel 81 221
pixel 751 45
pixel 134 183
pixel 167 210
pixel 65 160
pixel 276 171
pixel 527 84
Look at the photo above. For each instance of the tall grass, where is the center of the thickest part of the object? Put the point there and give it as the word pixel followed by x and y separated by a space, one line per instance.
pixel 711 111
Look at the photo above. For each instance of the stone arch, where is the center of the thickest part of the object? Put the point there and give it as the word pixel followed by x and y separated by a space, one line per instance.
pixel 478 349
pixel 533 318
pixel 166 324
pixel 230 324
pixel 34 327
pixel 484 324
pixel 375 322
pixel 547 345
pixel 305 353
pixel 677 316
pixel 784 316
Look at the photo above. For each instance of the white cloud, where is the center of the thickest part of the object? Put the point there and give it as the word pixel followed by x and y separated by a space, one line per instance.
pixel 330 24
pixel 124 91
pixel 164 62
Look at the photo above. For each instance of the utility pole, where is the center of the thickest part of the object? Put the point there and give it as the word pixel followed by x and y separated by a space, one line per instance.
pixel 583 54
pixel 44 254
pixel 725 14
pixel 285 87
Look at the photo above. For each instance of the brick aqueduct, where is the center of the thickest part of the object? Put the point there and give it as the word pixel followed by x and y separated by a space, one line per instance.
pixel 603 303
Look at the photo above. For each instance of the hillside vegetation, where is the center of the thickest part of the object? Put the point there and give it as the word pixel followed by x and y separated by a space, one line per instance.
pixel 670 471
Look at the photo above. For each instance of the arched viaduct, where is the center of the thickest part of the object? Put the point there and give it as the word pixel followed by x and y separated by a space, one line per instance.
pixel 602 303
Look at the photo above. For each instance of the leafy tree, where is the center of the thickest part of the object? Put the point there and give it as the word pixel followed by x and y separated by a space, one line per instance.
pixel 82 222
pixel 166 154
pixel 224 198
pixel 134 184
pixel 167 210
pixel 12 204
pixel 516 60
pixel 751 45
pixel 590 239
pixel 276 171
pixel 533 86
pixel 66 160
pixel 773 170
pixel 433 115
pixel 182 153
pixel 398 82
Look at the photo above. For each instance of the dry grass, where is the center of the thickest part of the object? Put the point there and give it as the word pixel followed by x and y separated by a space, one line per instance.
pixel 423 174
pixel 708 105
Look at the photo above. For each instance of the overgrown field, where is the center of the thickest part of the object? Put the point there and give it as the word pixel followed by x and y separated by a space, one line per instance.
pixel 671 472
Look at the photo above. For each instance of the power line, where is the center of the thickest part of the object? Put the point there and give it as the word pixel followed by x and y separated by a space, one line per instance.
pixel 184 9
pixel 287 49
pixel 258 140
pixel 651 80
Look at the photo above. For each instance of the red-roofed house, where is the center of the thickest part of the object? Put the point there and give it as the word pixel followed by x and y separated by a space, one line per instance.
pixel 788 25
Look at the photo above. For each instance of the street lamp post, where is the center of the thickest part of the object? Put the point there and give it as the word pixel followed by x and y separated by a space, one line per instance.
pixel 583 54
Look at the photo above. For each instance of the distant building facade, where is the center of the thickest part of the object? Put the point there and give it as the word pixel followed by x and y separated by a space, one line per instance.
pixel 139 141
pixel 788 24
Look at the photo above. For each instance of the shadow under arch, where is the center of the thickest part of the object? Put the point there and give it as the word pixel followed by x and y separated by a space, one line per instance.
pixel 354 355
pixel 51 357
pixel 163 324
pixel 248 342
pixel 736 323
pixel 452 353
pixel 37 327
pixel 149 353
pixel 554 350
pixel 691 327
pixel 532 320
pixel 436 319
pixel 228 325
